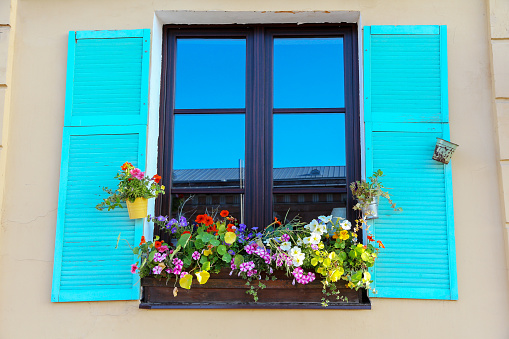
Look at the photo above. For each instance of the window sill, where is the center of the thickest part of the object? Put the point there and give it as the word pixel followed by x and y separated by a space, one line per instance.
pixel 223 291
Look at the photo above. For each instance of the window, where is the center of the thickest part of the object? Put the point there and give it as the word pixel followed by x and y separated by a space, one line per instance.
pixel 260 120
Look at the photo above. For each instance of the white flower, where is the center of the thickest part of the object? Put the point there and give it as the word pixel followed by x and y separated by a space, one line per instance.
pixel 295 251
pixel 315 238
pixel 299 241
pixel 325 219
pixel 321 229
pixel 306 240
pixel 298 261
pixel 286 246
pixel 346 225
pixel 313 225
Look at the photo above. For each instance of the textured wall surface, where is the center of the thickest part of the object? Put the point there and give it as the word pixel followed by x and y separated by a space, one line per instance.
pixel 33 164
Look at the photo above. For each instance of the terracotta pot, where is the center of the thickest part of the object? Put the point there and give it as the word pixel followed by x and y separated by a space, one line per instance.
pixel 137 209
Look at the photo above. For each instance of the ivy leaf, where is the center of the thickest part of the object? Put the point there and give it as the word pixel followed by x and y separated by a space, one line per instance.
pixel 221 249
pixel 186 281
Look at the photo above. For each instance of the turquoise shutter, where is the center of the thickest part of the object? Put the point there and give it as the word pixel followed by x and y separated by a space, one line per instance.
pixel 105 125
pixel 406 108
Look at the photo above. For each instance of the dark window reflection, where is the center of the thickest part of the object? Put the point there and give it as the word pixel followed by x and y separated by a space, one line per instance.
pixel 191 205
pixel 308 72
pixel 210 73
pixel 309 150
pixel 308 206
pixel 208 150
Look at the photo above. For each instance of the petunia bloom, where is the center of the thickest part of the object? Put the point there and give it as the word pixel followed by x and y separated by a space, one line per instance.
pixel 136 173
pixel 134 267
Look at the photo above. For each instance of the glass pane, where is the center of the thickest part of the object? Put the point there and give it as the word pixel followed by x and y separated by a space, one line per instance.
pixel 208 150
pixel 309 150
pixel 308 206
pixel 308 72
pixel 191 205
pixel 211 73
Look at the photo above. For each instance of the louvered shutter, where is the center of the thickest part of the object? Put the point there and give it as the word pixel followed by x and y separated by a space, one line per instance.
pixel 406 109
pixel 105 125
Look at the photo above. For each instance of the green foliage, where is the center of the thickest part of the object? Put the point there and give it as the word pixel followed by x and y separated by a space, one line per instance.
pixel 365 192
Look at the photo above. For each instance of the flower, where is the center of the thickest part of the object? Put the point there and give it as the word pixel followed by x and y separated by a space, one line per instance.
pixel 314 238
pixel 346 225
pixel 156 178
pixel 196 255
pixel 161 218
pixel 200 219
pixel 159 257
pixel 162 248
pixel 277 222
pixel 157 244
pixel 231 228
pixel 126 165
pixel 321 229
pixel 285 237
pixel 136 173
pixel 208 220
pixel 182 221
pixel 312 225
pixel 370 238
pixel 224 213
pixel 142 240
pixel 325 219
pixel 295 251
pixel 157 270
pixel 380 244
pixel 286 246
pixel 306 240
pixel 343 235
pixel 134 267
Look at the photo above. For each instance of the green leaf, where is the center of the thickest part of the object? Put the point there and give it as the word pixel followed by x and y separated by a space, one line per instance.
pixel 221 249
pixel 342 256
pixel 227 257
pixel 314 261
pixel 187 261
pixel 203 259
pixel 136 250
pixel 365 256
pixel 352 254
pixel 215 242
pixel 239 259
pixel 199 244
pixel 184 239
pixel 206 237
pixel 206 266
pixel 152 255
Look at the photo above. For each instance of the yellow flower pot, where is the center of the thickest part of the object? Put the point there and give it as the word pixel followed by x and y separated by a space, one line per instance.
pixel 137 209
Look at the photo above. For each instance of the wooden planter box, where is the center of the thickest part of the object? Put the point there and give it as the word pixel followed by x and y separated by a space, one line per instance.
pixel 225 291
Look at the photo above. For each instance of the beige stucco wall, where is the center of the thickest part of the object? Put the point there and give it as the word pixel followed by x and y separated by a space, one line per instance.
pixel 31 189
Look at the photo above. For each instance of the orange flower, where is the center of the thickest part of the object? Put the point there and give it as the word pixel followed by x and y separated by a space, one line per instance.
pixel 380 244
pixel 157 244
pixel 156 178
pixel 224 213
pixel 126 165
pixel 208 220
pixel 230 228
pixel 142 240
pixel 200 218
pixel 277 222
pixel 370 238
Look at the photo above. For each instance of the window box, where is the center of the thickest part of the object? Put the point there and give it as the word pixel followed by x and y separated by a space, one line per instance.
pixel 225 291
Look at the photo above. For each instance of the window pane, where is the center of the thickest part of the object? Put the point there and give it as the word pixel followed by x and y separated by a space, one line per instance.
pixel 308 206
pixel 211 73
pixel 208 149
pixel 192 205
pixel 308 72
pixel 309 150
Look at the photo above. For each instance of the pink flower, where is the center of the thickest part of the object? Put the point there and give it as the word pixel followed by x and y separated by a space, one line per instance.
pixel 136 173
pixel 196 255
pixel 162 248
pixel 134 267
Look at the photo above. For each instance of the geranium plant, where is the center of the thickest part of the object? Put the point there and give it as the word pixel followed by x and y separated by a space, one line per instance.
pixel 325 249
pixel 133 183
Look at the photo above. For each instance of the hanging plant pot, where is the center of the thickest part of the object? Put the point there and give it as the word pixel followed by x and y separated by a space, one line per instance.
pixel 137 209
pixel 443 151
pixel 371 211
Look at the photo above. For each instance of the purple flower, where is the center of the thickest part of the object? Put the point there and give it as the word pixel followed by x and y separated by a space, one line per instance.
pixel 183 222
pixel 242 227
pixel 172 222
pixel 254 228
pixel 314 247
pixel 249 235
pixel 157 270
pixel 259 235
pixel 231 252
pixel 285 237
pixel 161 218
pixel 173 230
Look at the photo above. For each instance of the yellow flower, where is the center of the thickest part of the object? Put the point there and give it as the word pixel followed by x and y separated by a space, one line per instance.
pixel 343 235
pixel 321 246
pixel 162 187
pixel 207 253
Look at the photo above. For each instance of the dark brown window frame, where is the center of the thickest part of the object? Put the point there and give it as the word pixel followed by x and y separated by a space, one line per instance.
pixel 259 111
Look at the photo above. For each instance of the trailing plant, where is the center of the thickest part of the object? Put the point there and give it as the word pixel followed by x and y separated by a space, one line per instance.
pixel 367 191
pixel 133 183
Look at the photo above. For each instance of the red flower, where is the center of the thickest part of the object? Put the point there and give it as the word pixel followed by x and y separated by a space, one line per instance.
pixel 380 244
pixel 224 213
pixel 370 238
pixel 200 218
pixel 142 240
pixel 230 228
pixel 208 220
pixel 157 244
pixel 277 222
pixel 126 165
pixel 212 229
pixel 156 178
